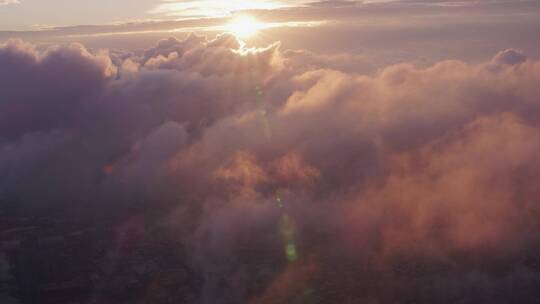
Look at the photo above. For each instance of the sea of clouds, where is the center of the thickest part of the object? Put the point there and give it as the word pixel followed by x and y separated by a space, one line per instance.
pixel 289 181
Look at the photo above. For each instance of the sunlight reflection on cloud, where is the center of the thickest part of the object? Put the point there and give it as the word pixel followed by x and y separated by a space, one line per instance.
pixel 213 7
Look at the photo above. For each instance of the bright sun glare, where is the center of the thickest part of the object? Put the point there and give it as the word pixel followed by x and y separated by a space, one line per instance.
pixel 244 26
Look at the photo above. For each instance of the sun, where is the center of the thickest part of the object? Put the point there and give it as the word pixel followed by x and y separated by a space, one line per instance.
pixel 244 26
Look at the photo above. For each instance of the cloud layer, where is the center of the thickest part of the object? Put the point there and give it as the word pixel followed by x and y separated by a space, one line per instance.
pixel 288 181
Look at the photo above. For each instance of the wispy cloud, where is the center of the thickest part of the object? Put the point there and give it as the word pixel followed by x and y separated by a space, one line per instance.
pixel 218 8
pixel 6 2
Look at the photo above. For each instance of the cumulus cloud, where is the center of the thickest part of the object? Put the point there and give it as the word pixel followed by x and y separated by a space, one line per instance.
pixel 289 182
pixel 510 57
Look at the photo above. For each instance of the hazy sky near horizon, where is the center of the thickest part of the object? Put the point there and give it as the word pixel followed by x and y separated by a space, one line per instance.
pixel 24 14
pixel 33 14
pixel 387 31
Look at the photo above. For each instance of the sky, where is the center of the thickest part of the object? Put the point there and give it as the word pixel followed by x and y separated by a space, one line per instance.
pixel 387 31
pixel 30 13
pixel 297 152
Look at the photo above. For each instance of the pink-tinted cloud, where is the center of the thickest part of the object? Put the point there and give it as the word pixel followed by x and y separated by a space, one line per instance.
pixel 408 185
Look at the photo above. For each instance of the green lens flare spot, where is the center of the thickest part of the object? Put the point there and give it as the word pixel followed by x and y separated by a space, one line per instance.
pixel 291 252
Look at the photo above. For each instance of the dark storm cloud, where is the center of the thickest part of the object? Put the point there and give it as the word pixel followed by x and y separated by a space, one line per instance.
pixel 289 181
